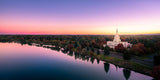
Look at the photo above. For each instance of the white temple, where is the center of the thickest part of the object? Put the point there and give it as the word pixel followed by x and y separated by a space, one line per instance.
pixel 117 41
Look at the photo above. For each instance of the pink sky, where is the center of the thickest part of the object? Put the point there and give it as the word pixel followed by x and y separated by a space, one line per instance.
pixel 130 17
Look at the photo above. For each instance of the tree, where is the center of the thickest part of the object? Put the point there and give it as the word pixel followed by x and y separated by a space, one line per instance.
pixel 91 54
pixel 138 49
pixel 98 52
pixel 157 46
pixel 76 44
pixel 93 43
pixel 157 60
pixel 120 48
pixel 106 50
pixel 70 46
pixel 79 49
pixel 156 72
pixel 87 48
pixel 92 49
pixel 55 42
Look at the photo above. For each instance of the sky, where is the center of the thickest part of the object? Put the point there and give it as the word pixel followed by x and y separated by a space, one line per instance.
pixel 90 17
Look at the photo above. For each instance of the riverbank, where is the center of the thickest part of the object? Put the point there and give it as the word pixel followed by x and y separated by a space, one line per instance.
pixel 141 68
pixel 135 66
pixel 129 64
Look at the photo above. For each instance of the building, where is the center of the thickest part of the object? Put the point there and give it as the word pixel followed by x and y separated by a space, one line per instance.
pixel 117 41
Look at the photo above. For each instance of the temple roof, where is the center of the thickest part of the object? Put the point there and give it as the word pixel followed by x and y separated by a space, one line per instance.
pixel 116 37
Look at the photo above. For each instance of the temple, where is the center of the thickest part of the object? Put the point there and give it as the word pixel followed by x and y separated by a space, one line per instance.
pixel 117 41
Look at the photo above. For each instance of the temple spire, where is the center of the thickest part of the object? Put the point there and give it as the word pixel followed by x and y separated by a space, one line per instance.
pixel 116 41
pixel 116 37
pixel 117 31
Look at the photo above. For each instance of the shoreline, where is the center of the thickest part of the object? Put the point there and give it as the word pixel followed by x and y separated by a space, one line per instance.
pixel 140 68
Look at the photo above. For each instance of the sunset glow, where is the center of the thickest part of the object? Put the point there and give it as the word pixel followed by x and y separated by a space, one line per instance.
pixel 79 17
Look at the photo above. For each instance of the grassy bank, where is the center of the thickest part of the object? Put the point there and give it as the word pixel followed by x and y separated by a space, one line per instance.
pixel 141 68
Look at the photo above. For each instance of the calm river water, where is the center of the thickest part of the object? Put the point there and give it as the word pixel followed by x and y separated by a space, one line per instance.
pixel 25 62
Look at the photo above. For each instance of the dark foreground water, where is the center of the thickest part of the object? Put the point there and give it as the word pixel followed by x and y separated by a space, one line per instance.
pixel 24 62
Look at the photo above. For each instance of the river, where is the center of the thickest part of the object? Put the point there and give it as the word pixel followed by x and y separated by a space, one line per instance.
pixel 25 62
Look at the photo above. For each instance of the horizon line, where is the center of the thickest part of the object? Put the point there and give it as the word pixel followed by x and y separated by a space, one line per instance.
pixel 82 34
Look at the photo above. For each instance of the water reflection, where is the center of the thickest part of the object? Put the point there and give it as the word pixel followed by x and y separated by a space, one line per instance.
pixel 126 73
pixel 87 59
pixel 98 61
pixel 116 67
pixel 106 67
pixel 64 51
pixel 76 55
pixel 90 70
pixel 83 58
pixel 55 48
pixel 92 60
pixel 70 53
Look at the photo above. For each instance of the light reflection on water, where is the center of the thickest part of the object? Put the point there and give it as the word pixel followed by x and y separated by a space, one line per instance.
pixel 24 62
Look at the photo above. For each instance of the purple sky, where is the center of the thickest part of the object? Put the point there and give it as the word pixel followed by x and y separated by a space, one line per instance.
pixel 79 16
